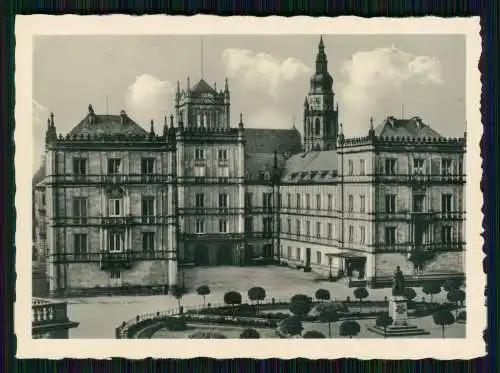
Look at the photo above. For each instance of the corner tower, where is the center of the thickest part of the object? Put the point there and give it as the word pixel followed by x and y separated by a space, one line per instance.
pixel 320 116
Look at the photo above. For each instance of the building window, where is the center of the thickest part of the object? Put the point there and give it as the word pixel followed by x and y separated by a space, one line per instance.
pixel 248 225
pixel 80 245
pixel 318 257
pixel 200 154
pixel 362 235
pixel 148 209
pixel 308 228
pixel 318 201
pixel 115 275
pixel 362 167
pixel 289 224
pixel 446 166
pixel 418 166
pixel 330 231
pixel 308 202
pixel 44 202
pixel 223 173
pixel 248 200
pixel 390 167
pixel 115 207
pixel 297 197
pixel 330 202
pixel 114 166
pixel 267 202
pixel 362 204
pixel 267 225
pixel 199 172
pixel 222 200
pixel 318 229
pixel 289 252
pixel 222 155
pixel 148 241
pixel 200 200
pixel 390 235
pixel 80 210
pixel 147 166
pixel 446 234
pixel 446 203
pixel 418 203
pixel 350 203
pixel 390 203
pixel 200 226
pixel 351 233
pixel 297 228
pixel 267 176
pixel 317 129
pixel 223 226
pixel 79 166
pixel 115 242
pixel 350 167
pixel 297 253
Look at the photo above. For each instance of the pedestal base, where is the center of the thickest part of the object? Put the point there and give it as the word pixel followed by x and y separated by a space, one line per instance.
pixel 398 331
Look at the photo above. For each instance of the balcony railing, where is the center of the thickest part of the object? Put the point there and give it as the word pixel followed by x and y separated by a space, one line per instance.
pixel 99 256
pixel 210 211
pixel 109 179
pixel 419 178
pixel 111 220
pixel 408 247
pixel 50 319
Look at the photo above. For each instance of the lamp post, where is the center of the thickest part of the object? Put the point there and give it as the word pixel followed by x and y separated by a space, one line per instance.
pixel 330 258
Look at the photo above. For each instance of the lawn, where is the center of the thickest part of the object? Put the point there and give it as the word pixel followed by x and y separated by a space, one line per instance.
pixel 232 332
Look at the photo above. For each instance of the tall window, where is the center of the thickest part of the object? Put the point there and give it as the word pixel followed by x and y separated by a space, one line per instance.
pixel 289 200
pixel 267 201
pixel 330 231
pixel 148 241
pixel 308 202
pixel 115 207
pixel 350 167
pixel 289 226
pixel 446 166
pixel 318 201
pixel 223 226
pixel 80 245
pixel 318 257
pixel 223 173
pixel 390 166
pixel 80 210
pixel 297 253
pixel 297 197
pixel 199 173
pixel 361 166
pixel 79 166
pixel 114 166
pixel 222 200
pixel 446 236
pixel 330 202
pixel 317 127
pixel 200 226
pixel 318 229
pixel 148 209
pixel 297 228
pixel 267 225
pixel 362 235
pixel 308 228
pixel 446 203
pixel 200 200
pixel 390 235
pixel 115 242
pixel 289 252
pixel 199 154
pixel 390 203
pixel 418 203
pixel 351 233
pixel 350 203
pixel 147 166
pixel 222 153
pixel 249 225
pixel 418 166
pixel 362 204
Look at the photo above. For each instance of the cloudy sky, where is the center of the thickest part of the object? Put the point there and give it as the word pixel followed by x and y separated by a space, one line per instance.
pixel 268 78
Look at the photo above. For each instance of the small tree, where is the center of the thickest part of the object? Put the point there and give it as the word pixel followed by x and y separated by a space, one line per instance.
pixel 329 314
pixel 257 294
pixel 431 288
pixel 456 296
pixel 291 326
pixel 451 284
pixel 177 292
pixel 203 290
pixel 300 305
pixel 361 293
pixel 383 321
pixel 322 295
pixel 410 294
pixel 250 333
pixel 313 334
pixel 349 328
pixel 232 298
pixel 443 318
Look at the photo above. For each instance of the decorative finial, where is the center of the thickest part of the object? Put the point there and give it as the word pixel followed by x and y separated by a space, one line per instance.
pixel 341 128
pixel 241 117
pixel 178 87
pixel 48 123
pixel 371 123
pixel 171 120
pixel 188 84
pixel 52 119
pixel 321 44
pixel 226 87
pixel 293 122
pixel 152 130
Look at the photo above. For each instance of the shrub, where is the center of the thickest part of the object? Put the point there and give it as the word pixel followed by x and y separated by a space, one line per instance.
pixel 456 296
pixel 349 328
pixel 383 321
pixel 462 316
pixel 361 293
pixel 300 305
pixel 452 284
pixel 203 290
pixel 257 294
pixel 329 314
pixel 313 334
pixel 207 335
pixel 443 318
pixel 232 298
pixel 322 295
pixel 291 326
pixel 250 333
pixel 431 288
pixel 410 294
pixel 175 324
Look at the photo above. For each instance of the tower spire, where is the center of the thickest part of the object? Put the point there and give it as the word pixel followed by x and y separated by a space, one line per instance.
pixel 201 55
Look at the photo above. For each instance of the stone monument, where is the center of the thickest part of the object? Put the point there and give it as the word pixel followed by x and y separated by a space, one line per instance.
pixel 398 310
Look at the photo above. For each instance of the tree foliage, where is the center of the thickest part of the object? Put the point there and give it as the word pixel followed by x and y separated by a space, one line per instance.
pixel 443 318
pixel 361 293
pixel 329 314
pixel 257 294
pixel 322 295
pixel 349 328
pixel 291 326
pixel 250 333
pixel 203 290
pixel 410 293
pixel 232 298
pixel 383 321
pixel 431 288
pixel 313 334
pixel 300 305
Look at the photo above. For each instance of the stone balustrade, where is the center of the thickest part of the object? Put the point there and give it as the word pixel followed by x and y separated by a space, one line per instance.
pixel 50 319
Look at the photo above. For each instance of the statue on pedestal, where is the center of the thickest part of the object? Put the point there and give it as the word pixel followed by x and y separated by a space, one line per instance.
pixel 398 283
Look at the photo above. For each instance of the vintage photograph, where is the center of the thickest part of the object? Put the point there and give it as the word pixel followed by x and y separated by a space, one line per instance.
pixel 250 186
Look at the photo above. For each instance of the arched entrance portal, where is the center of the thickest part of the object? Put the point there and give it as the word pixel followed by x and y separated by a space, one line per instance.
pixel 267 251
pixel 201 255
pixel 224 256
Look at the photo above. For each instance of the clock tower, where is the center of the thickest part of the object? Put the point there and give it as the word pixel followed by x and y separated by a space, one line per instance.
pixel 320 116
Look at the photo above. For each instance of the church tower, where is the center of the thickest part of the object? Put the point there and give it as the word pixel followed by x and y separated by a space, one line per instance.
pixel 320 116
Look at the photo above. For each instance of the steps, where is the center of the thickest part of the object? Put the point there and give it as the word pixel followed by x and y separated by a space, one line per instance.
pixel 398 331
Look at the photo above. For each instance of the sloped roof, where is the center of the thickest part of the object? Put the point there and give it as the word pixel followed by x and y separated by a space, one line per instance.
pixel 107 125
pixel 39 175
pixel 265 140
pixel 413 127
pixel 203 87
pixel 258 164
pixel 311 166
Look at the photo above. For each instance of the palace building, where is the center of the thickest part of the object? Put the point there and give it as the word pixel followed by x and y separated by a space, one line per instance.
pixel 124 206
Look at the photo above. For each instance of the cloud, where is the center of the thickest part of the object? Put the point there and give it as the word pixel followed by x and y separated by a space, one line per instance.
pixel 149 98
pixel 40 114
pixel 371 76
pixel 262 72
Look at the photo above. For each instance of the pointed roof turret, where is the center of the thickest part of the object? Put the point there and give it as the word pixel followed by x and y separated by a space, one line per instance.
pixel 321 81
